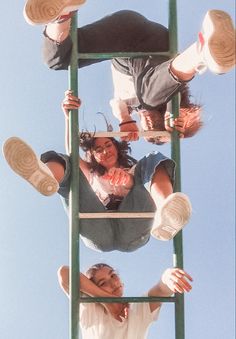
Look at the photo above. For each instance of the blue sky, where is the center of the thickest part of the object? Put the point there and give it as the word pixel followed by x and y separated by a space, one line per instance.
pixel 34 229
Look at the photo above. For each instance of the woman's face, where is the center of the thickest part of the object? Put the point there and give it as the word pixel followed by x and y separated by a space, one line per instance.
pixel 105 153
pixel 109 281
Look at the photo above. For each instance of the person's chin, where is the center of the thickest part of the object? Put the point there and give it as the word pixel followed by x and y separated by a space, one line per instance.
pixel 118 292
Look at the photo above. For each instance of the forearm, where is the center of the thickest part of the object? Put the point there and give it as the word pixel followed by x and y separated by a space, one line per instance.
pixel 160 290
pixel 67 135
pixel 89 288
pixel 86 285
pixel 120 110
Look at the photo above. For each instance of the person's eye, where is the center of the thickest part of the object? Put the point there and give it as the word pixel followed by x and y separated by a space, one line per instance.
pixel 109 145
pixel 98 150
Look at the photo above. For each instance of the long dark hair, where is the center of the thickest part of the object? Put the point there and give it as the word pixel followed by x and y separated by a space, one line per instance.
pixel 87 143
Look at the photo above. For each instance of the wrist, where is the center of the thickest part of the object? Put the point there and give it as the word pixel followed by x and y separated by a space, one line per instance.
pixel 126 122
pixel 125 117
pixel 165 276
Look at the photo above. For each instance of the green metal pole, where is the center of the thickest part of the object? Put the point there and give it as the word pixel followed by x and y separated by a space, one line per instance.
pixel 175 155
pixel 74 194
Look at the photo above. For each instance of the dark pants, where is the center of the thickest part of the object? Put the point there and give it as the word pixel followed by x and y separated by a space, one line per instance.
pixel 123 31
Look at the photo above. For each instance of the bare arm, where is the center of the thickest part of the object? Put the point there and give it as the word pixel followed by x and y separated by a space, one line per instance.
pixel 172 280
pixel 72 102
pixel 117 310
pixel 123 88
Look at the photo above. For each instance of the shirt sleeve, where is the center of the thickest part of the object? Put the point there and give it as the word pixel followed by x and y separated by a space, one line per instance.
pixel 90 314
pixel 123 85
pixel 144 313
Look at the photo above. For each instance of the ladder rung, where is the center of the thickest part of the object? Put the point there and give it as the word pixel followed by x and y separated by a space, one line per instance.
pixel 116 215
pixel 140 133
pixel 120 55
pixel 126 299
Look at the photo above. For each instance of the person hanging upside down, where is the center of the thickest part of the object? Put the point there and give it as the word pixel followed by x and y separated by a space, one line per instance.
pixel 109 180
pixel 120 320
pixel 146 84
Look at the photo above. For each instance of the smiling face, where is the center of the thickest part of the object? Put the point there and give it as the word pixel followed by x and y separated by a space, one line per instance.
pixel 109 281
pixel 105 153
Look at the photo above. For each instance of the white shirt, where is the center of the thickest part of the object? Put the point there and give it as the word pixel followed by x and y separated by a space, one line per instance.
pixel 103 188
pixel 97 324
pixel 123 85
pixel 124 94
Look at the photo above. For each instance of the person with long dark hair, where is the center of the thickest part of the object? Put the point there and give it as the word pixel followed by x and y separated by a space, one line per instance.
pixel 109 180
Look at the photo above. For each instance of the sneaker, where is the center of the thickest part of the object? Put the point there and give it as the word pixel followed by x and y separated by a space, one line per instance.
pixel 38 12
pixel 153 121
pixel 216 43
pixel 173 215
pixel 22 159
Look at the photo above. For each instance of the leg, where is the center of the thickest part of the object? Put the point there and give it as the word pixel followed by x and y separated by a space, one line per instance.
pixel 25 163
pixel 173 210
pixel 215 48
pixel 22 159
pixel 97 234
pixel 123 31
pixel 161 186
pixel 57 170
pixel 132 234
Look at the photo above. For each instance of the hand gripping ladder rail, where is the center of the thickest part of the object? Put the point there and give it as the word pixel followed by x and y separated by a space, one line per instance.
pixel 74 214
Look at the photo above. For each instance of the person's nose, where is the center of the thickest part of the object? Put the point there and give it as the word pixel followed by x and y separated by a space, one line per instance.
pixel 105 150
pixel 115 282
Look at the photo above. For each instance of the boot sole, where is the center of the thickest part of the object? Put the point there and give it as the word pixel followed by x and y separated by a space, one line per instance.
pixel 23 161
pixel 42 12
pixel 218 30
pixel 174 215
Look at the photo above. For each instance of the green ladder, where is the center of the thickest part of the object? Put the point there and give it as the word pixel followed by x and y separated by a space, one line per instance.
pixel 74 215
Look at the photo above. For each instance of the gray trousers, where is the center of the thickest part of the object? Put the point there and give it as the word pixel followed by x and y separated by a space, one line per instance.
pixel 124 31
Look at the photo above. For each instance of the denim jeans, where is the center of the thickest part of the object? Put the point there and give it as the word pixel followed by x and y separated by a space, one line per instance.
pixel 124 235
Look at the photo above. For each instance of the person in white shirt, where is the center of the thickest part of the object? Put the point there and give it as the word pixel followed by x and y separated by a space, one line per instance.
pixel 146 84
pixel 120 320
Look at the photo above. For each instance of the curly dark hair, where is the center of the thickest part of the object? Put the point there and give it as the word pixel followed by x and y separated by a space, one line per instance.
pixel 87 143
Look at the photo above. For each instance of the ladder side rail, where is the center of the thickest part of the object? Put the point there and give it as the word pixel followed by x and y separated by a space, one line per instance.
pixel 74 195
pixel 74 198
pixel 175 155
